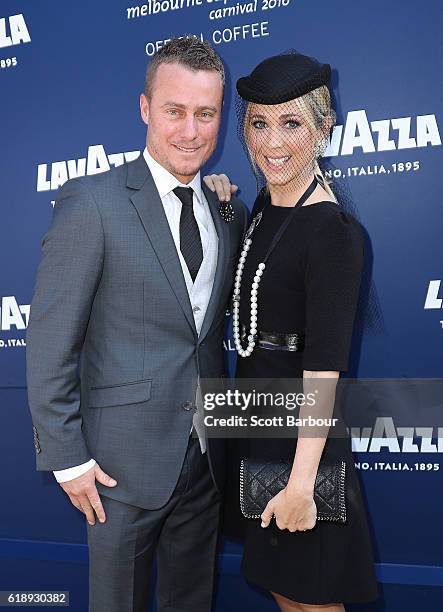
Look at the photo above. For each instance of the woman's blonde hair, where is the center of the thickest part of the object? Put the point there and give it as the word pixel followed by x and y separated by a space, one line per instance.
pixel 316 108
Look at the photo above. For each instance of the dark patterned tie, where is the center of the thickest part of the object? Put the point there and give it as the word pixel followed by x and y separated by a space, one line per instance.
pixel 190 241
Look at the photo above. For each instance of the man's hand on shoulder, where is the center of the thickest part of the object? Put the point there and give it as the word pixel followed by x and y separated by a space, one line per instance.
pixel 84 495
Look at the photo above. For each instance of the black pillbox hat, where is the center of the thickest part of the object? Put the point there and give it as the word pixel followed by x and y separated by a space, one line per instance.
pixel 282 78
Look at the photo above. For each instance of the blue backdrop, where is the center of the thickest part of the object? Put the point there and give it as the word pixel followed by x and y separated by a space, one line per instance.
pixel 70 77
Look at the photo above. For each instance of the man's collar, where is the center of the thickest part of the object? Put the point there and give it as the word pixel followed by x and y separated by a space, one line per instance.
pixel 166 182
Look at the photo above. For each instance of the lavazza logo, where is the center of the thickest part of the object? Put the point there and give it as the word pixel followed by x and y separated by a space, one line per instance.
pixel 52 176
pixel 385 437
pixel 358 134
pixel 13 32
pixel 13 317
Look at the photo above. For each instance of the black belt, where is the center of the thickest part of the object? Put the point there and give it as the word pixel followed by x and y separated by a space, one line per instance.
pixel 275 341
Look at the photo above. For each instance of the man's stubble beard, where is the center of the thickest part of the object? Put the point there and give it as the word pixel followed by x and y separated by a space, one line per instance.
pixel 170 167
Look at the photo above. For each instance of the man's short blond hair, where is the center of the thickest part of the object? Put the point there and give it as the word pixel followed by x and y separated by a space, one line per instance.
pixel 190 52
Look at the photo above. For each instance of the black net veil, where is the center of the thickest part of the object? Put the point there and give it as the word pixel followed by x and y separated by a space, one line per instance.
pixel 284 122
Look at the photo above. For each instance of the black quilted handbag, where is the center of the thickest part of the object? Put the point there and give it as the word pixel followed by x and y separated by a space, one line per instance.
pixel 260 481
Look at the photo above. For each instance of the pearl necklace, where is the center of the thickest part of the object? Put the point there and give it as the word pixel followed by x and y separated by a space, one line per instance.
pixel 254 290
pixel 256 282
pixel 236 303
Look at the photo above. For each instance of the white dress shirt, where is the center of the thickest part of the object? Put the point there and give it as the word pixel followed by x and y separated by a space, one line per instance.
pixel 200 290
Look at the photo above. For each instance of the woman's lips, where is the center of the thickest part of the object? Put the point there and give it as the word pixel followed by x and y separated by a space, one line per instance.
pixel 276 163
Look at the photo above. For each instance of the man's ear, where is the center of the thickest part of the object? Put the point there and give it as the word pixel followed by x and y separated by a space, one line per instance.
pixel 144 108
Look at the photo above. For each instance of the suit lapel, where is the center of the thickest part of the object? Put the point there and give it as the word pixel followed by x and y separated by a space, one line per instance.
pixel 222 230
pixel 150 209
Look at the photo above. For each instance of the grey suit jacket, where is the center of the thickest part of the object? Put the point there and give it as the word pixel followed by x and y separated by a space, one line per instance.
pixel 112 350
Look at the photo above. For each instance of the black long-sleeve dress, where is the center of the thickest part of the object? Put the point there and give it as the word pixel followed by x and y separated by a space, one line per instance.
pixel 310 286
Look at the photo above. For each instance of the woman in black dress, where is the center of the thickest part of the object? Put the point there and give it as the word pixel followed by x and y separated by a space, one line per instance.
pixel 297 282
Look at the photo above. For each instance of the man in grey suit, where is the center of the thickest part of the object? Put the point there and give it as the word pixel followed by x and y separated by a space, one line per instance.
pixel 127 316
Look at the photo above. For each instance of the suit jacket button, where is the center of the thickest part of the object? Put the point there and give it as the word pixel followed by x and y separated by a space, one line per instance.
pixel 187 405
